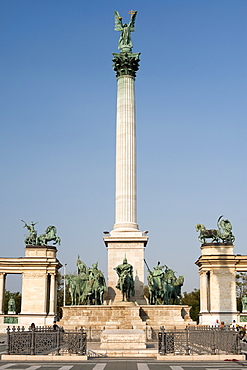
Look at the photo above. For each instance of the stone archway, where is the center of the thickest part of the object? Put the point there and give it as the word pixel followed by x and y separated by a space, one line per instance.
pixel 39 269
pixel 218 266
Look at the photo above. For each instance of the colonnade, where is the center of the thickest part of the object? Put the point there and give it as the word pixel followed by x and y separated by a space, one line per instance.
pixel 39 270
pixel 218 266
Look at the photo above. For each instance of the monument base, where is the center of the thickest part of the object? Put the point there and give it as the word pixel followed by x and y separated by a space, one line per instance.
pixel 209 318
pixel 123 339
pixel 126 315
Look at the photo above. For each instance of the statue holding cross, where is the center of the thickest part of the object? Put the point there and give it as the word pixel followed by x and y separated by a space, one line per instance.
pixel 125 42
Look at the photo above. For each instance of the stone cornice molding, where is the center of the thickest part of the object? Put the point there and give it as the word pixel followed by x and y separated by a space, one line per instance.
pixel 126 64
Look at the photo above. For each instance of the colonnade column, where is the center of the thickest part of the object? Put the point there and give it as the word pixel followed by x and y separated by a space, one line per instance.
pixel 52 307
pixel 2 291
pixel 203 291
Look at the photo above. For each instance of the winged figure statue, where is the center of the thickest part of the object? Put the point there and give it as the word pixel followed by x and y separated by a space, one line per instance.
pixel 125 42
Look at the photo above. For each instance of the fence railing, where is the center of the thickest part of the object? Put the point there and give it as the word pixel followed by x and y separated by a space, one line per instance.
pixel 45 341
pixel 188 342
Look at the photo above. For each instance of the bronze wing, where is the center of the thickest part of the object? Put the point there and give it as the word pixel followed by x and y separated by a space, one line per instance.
pixel 118 21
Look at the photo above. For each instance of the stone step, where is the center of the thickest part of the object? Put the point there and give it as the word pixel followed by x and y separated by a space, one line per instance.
pixel 127 352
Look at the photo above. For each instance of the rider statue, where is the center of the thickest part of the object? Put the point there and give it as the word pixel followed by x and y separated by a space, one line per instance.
pixel 82 268
pixel 43 239
pixel 94 271
pixel 89 285
pixel 163 286
pixel 32 238
pixel 158 274
pixel 125 279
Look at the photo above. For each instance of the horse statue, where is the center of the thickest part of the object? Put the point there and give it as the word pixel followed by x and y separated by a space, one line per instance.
pixel 50 235
pixel 96 285
pixel 126 285
pixel 164 287
pixel 78 289
pixel 207 234
pixel 152 288
pixel 223 234
pixel 176 291
pixel 88 287
pixel 156 284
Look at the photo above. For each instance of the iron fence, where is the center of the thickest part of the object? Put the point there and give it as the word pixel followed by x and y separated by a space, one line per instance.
pixel 93 335
pixel 152 334
pixel 206 341
pixel 45 341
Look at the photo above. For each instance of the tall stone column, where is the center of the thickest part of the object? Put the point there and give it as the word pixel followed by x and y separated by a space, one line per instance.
pixel 126 240
pixel 125 65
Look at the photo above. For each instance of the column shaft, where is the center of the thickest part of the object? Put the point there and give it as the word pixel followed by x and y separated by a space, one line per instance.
pixel 125 212
pixel 2 291
pixel 52 295
pixel 203 292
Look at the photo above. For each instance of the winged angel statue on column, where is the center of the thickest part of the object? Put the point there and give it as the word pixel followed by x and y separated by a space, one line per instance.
pixel 125 42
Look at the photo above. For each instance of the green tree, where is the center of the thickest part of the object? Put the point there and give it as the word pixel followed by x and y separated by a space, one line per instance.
pixel 192 299
pixel 146 291
pixel 17 298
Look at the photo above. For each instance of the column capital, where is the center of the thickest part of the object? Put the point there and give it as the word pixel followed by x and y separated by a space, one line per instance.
pixel 126 64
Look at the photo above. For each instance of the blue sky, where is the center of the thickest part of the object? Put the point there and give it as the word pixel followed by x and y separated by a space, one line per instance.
pixel 58 105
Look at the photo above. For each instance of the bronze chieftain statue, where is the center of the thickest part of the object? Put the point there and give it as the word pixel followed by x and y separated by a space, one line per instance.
pixel 222 235
pixel 125 279
pixel 164 287
pixel 88 287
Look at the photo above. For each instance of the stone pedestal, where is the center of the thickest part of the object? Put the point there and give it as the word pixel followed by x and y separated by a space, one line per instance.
pixel 133 248
pixel 123 339
pixel 126 315
pixel 217 269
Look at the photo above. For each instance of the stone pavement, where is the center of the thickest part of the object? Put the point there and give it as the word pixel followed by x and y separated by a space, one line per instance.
pixel 127 364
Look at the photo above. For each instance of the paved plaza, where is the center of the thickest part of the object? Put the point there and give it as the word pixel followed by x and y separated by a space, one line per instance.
pixel 127 364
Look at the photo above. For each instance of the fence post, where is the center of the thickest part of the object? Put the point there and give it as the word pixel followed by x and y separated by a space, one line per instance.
pixel 162 340
pixel 58 342
pixel 213 347
pixel 32 347
pixel 83 348
pixel 187 347
pixel 8 340
pixel 238 344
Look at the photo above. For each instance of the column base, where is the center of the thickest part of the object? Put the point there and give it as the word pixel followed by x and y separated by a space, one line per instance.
pixel 209 318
